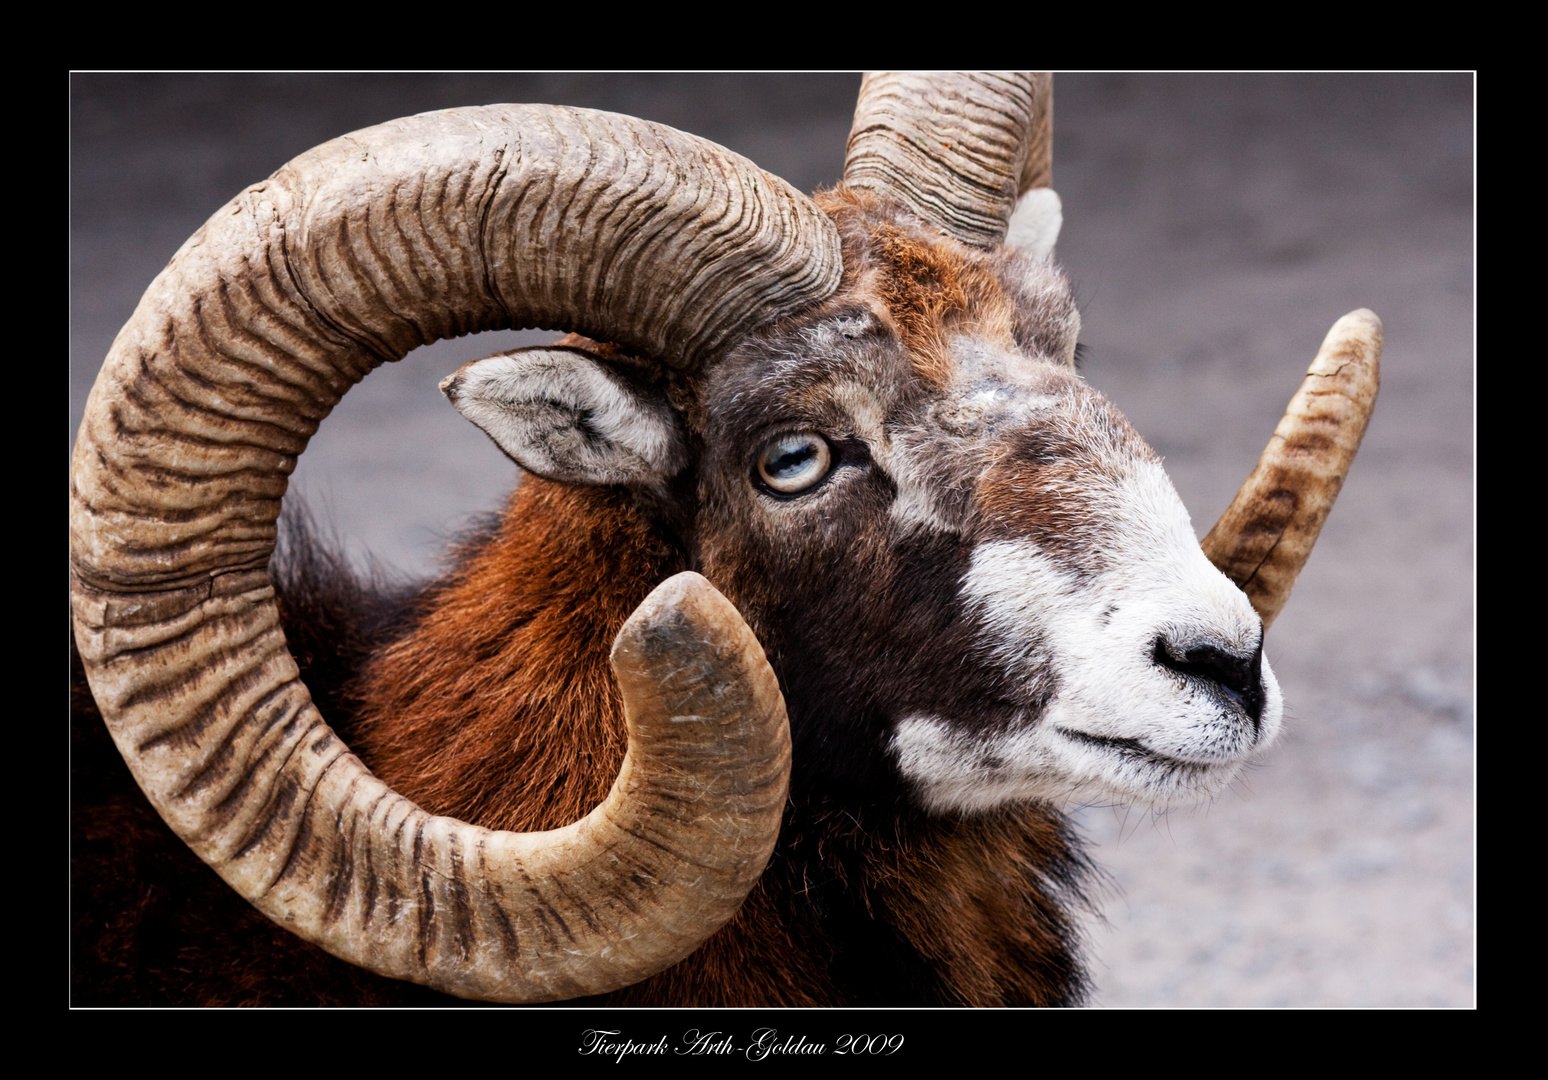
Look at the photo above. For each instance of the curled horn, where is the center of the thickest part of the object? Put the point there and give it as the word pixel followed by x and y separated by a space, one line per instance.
pixel 352 254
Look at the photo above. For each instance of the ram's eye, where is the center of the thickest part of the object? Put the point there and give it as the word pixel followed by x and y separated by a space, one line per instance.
pixel 790 464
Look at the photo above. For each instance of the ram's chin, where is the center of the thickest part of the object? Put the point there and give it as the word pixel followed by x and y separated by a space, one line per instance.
pixel 952 770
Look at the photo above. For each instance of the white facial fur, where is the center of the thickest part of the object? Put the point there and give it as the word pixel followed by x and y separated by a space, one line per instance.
pixel 1118 725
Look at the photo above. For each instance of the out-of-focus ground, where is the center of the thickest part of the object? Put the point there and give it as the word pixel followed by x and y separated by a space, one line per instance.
pixel 1215 227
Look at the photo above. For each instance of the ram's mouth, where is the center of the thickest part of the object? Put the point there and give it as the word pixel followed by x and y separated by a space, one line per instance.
pixel 1135 751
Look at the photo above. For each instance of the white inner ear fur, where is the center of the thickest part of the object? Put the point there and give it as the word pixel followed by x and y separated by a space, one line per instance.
pixel 565 415
pixel 1034 225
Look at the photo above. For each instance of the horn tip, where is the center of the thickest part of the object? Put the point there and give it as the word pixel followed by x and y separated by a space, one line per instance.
pixel 1355 339
pixel 1361 326
pixel 683 609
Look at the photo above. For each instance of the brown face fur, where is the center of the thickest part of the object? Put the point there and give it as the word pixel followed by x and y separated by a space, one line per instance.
pixel 920 375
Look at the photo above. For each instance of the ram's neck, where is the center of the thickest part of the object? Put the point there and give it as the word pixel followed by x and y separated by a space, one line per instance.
pixel 987 903
pixel 504 673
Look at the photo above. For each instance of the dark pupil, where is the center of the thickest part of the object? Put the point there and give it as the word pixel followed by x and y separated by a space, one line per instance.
pixel 790 461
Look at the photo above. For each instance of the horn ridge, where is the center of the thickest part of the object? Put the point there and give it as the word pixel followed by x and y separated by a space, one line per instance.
pixel 957 148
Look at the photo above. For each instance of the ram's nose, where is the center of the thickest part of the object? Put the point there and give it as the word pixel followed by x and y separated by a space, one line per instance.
pixel 1239 677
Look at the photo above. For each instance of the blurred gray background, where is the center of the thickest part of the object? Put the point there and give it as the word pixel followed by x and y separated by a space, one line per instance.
pixel 1215 227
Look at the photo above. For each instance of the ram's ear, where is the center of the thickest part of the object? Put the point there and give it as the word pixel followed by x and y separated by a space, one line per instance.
pixel 1034 224
pixel 568 415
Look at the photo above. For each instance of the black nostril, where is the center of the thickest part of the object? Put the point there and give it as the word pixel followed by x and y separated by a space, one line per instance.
pixel 1239 677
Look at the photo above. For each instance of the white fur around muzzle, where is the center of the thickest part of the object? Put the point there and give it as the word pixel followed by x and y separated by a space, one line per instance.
pixel 1118 726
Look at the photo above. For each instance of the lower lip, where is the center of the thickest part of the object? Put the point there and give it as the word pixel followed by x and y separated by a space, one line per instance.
pixel 1134 749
